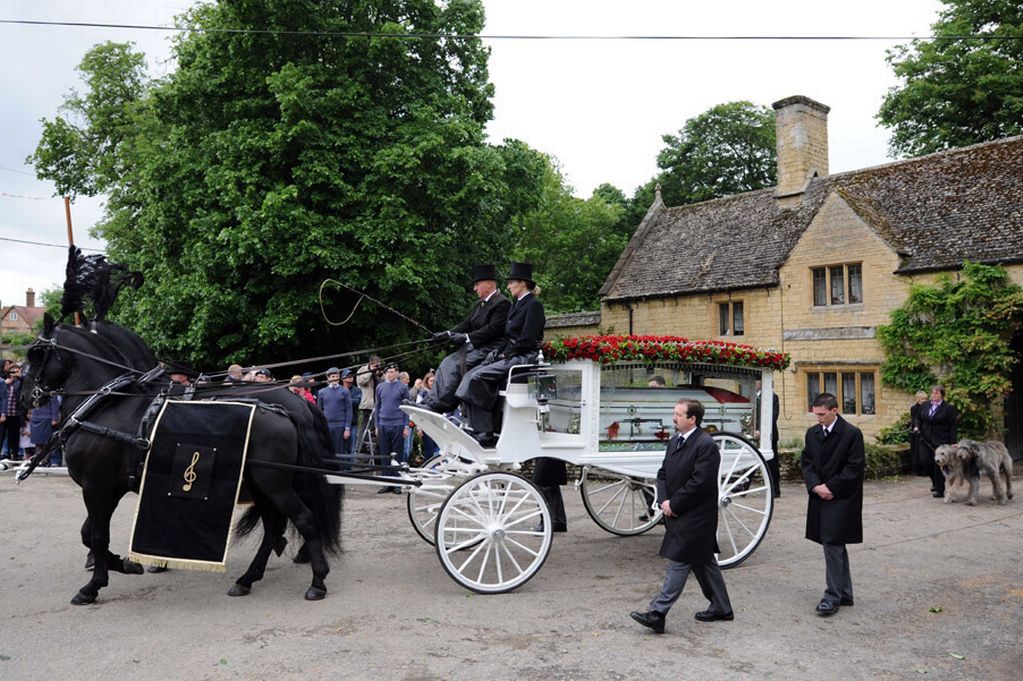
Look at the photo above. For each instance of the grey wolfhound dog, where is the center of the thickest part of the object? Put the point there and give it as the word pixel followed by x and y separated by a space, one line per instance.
pixel 967 460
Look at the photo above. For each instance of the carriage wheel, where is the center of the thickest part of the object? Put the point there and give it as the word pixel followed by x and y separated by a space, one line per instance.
pixel 618 503
pixel 487 537
pixel 440 475
pixel 746 499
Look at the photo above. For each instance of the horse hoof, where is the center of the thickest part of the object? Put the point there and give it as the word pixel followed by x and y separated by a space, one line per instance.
pixel 239 590
pixel 315 594
pixel 82 598
pixel 131 567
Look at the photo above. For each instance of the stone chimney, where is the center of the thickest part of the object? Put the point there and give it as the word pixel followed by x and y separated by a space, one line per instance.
pixel 30 298
pixel 801 125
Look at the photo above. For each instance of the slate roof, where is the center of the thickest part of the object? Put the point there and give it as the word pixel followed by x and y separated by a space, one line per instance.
pixel 935 211
pixel 30 315
pixel 572 319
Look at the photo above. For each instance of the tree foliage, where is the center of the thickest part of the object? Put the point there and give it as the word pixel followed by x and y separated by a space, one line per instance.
pixel 573 243
pixel 269 162
pixel 958 333
pixel 728 149
pixel 955 92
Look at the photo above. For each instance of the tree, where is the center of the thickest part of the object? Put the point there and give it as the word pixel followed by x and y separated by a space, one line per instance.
pixel 954 91
pixel 272 160
pixel 728 149
pixel 573 243
pixel 958 333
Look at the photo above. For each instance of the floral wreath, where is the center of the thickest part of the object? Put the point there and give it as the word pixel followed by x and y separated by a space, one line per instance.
pixel 653 349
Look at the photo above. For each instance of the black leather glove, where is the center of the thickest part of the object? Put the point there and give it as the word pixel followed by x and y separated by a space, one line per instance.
pixel 491 357
pixel 460 337
pixel 439 335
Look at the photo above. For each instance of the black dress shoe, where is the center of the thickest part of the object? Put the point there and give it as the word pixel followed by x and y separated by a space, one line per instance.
pixel 384 490
pixel 846 602
pixel 651 620
pixel 559 528
pixel 711 616
pixel 827 608
pixel 155 569
pixel 937 495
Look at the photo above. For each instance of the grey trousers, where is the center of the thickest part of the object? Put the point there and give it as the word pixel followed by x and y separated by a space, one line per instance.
pixel 836 573
pixel 712 583
pixel 449 374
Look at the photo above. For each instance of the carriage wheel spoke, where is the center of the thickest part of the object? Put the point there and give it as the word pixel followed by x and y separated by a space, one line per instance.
pixel 483 563
pixel 472 555
pixel 523 546
pixel 749 508
pixel 470 518
pixel 741 524
pixel 520 519
pixel 611 500
pixel 746 492
pixel 728 531
pixel 511 557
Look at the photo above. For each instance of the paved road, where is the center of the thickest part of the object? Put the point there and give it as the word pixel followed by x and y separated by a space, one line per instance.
pixel 392 612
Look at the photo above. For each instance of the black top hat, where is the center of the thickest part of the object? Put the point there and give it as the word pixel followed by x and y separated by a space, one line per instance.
pixel 522 271
pixel 484 273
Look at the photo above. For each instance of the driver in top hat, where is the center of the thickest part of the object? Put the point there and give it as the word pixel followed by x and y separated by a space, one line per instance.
pixel 523 335
pixel 480 333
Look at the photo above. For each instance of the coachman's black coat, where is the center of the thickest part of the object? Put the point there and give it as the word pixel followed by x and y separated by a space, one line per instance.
pixel 486 320
pixel 838 462
pixel 689 479
pixel 939 429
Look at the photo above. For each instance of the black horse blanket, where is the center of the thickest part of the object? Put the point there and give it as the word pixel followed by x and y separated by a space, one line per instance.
pixel 190 485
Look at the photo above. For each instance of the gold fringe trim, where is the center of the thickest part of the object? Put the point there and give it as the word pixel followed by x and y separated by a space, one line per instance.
pixel 178 563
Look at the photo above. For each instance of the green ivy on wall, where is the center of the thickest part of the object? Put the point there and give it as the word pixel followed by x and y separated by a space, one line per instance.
pixel 957 332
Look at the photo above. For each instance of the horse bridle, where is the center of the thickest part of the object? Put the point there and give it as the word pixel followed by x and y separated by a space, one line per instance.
pixel 51 345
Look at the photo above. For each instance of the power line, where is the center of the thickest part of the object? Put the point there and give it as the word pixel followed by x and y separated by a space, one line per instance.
pixel 42 243
pixel 20 172
pixel 484 36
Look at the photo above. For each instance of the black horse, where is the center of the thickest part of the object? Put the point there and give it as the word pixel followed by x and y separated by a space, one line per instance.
pixel 77 362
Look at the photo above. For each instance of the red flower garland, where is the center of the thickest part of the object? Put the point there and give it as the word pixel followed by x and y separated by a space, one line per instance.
pixel 652 349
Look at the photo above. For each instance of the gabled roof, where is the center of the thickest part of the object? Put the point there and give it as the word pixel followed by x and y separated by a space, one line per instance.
pixel 30 314
pixel 935 211
pixel 568 319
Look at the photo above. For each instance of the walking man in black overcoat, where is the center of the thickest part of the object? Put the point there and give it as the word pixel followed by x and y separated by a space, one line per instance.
pixel 687 491
pixel 833 466
pixel 938 422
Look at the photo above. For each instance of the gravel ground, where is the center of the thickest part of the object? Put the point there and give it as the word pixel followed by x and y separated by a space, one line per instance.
pixel 939 594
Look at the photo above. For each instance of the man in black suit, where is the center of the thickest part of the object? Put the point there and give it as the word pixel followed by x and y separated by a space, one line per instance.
pixel 937 423
pixel 687 490
pixel 773 469
pixel 833 466
pixel 523 335
pixel 477 336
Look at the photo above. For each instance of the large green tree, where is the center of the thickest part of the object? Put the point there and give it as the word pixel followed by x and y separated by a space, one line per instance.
pixel 728 149
pixel 573 243
pixel 957 332
pixel 273 159
pixel 958 91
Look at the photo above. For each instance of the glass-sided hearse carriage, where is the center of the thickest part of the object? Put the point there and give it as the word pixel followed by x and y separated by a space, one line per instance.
pixel 598 404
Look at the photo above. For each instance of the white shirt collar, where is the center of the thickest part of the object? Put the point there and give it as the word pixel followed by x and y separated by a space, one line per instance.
pixel 685 435
pixel 524 295
pixel 487 299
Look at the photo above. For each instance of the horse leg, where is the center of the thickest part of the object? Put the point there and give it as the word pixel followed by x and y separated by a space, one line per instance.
pixel 90 558
pixel 303 519
pixel 96 535
pixel 273 529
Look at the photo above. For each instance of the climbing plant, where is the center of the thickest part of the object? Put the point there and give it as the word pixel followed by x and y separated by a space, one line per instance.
pixel 957 332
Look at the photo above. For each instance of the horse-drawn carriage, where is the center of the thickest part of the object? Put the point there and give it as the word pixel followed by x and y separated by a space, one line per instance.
pixel 492 528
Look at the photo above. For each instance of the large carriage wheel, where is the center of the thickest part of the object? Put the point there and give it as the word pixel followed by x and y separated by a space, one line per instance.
pixel 746 499
pixel 487 534
pixel 440 475
pixel 620 504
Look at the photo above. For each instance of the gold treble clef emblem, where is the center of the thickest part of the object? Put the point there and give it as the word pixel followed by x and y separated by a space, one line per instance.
pixel 190 475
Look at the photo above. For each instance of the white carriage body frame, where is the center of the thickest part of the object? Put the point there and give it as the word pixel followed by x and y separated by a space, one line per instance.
pixel 521 440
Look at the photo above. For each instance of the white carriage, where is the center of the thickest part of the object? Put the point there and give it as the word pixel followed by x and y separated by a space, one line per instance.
pixel 491 526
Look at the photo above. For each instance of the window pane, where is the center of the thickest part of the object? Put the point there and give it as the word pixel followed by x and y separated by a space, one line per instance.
pixel 820 287
pixel 866 393
pixel 831 383
pixel 722 319
pixel 813 389
pixel 855 284
pixel 848 393
pixel 738 326
pixel 837 286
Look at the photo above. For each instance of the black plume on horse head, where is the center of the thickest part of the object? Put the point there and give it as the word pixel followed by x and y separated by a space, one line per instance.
pixel 93 278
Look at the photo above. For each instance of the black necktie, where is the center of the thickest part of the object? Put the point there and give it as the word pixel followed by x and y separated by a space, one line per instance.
pixel 826 433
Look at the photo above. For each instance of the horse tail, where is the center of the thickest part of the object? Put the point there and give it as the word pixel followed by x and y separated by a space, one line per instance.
pixel 319 496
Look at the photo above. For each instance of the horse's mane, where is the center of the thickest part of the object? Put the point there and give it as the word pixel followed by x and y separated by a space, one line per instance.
pixel 92 278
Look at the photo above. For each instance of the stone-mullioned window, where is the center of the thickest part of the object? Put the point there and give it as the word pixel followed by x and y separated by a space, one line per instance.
pixel 854 387
pixel 837 284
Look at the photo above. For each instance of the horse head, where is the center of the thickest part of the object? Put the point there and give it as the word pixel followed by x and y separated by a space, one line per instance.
pixel 48 367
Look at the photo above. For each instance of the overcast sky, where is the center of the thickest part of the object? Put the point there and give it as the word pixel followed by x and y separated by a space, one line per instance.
pixel 600 107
